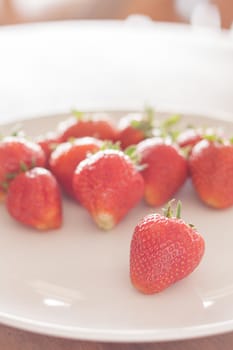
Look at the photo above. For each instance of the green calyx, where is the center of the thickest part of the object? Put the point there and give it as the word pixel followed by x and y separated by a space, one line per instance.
pixel 4 185
pixel 168 211
pixel 135 157
pixel 77 114
pixel 170 121
pixel 11 176
pixel 130 151
pixel 146 124
pixel 212 138
pixel 167 127
pixel 110 145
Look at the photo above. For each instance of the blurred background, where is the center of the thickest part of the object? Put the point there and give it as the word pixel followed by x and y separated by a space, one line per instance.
pixel 204 12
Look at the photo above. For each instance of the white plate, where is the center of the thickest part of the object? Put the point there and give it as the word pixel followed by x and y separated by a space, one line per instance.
pixel 75 282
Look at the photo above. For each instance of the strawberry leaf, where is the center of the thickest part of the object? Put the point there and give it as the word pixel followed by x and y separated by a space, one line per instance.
pixel 5 185
pixel 78 114
pixel 33 162
pixel 171 121
pixel 11 176
pixel 178 210
pixel 110 145
pixel 135 157
pixel 23 166
pixel 146 123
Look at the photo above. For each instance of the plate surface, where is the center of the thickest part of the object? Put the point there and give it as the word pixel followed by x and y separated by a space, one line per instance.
pixel 74 282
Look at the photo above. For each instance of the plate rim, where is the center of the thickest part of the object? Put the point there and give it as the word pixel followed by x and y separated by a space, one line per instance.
pixel 117 336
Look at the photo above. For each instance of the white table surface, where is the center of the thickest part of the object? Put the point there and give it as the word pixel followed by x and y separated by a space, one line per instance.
pixel 52 67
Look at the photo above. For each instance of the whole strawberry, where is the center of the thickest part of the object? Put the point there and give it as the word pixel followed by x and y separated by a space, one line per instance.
pixel 191 136
pixel 17 153
pixel 79 124
pixel 211 168
pixel 108 185
pixel 135 127
pixel 48 143
pixel 67 156
pixel 165 170
pixel 164 250
pixel 34 199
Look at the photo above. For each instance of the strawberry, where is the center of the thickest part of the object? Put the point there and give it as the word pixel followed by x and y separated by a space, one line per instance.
pixel 67 156
pixel 189 137
pixel 34 199
pixel 135 127
pixel 108 185
pixel 17 153
pixel 80 125
pixel 164 250
pixel 211 168
pixel 165 170
pixel 48 143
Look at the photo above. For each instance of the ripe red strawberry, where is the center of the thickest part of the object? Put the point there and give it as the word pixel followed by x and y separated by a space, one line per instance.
pixel 135 127
pixel 164 250
pixel 48 143
pixel 80 125
pixel 67 156
pixel 34 199
pixel 165 170
pixel 108 185
pixel 17 153
pixel 211 168
pixel 189 137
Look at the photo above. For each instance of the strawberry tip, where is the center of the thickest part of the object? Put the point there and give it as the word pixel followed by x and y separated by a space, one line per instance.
pixel 105 221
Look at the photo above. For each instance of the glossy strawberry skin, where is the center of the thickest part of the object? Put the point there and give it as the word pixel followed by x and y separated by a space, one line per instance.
pixel 211 168
pixel 67 156
pixel 108 185
pixel 165 170
pixel 163 251
pixel 99 128
pixel 15 152
pixel 34 199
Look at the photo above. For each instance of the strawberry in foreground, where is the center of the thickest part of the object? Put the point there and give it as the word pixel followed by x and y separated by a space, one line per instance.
pixel 17 153
pixel 165 170
pixel 80 125
pixel 108 185
pixel 67 156
pixel 34 199
pixel 164 250
pixel 211 168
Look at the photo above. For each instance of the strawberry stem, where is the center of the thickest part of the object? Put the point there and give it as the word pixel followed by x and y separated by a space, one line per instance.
pixel 78 115
pixel 110 145
pixel 170 121
pixel 178 210
pixel 132 153
pixel 11 176
pixel 168 212
pixel 23 167
pixel 4 185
